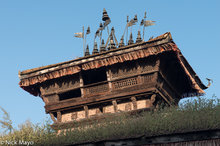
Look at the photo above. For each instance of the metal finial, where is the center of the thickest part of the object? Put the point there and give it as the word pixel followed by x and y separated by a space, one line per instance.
pixel 105 16
pixel 100 26
pixel 121 44
pixel 127 18
pixel 95 49
pixel 112 43
pixel 88 30
pixel 113 30
pixel 102 47
pixel 130 40
pixel 142 22
pixel 145 15
pixel 135 18
pixel 87 51
pixel 138 40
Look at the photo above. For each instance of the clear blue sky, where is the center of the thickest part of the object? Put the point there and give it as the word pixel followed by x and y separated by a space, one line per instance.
pixel 40 32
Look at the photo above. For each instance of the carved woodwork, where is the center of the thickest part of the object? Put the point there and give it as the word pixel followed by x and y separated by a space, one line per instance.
pixel 123 70
pixel 68 82
pixel 49 99
pixel 103 87
pixel 125 83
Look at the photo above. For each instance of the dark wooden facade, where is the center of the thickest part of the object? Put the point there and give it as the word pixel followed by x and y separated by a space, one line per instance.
pixel 138 76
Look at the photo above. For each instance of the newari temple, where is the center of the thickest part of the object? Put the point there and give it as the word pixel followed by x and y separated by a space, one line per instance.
pixel 128 76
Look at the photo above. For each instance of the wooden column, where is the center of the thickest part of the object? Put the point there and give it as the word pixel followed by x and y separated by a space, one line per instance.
pixel 134 102
pixel 108 73
pixel 86 111
pixel 115 105
pixel 59 116
pixel 81 85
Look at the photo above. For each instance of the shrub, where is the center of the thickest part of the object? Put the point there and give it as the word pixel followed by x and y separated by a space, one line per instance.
pixel 195 115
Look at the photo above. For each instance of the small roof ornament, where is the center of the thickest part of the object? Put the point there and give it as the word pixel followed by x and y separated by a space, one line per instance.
pixel 121 44
pixel 87 51
pixel 88 30
pixel 112 43
pixel 138 40
pixel 95 49
pixel 130 41
pixel 105 16
pixel 102 47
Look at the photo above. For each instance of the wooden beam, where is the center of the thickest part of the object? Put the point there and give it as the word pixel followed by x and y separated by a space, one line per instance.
pixel 164 97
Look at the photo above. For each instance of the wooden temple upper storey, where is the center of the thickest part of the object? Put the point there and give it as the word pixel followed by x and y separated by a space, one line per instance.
pixel 137 76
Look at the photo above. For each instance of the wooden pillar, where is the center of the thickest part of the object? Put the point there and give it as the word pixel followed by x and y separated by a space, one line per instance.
pixel 81 85
pixel 134 102
pixel 59 116
pixel 108 73
pixel 153 98
pixel 115 105
pixel 86 111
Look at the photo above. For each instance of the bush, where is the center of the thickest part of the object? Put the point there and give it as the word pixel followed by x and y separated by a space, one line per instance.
pixel 197 115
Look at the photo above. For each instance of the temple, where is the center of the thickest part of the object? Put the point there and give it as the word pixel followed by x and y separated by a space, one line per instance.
pixel 139 76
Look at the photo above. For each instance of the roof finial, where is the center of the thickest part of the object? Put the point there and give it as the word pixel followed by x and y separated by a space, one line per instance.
pixel 112 43
pixel 102 47
pixel 87 51
pixel 105 16
pixel 121 44
pixel 138 40
pixel 130 39
pixel 95 49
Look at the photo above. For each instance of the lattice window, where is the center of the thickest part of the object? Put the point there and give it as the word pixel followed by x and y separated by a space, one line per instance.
pixel 125 83
pixel 148 78
pixel 97 89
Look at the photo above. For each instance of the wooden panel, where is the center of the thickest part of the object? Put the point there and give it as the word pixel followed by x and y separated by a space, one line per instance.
pixel 50 99
pixel 66 117
pixel 125 83
pixel 48 87
pixel 125 69
pixel 108 109
pixel 125 106
pixel 92 112
pixel 100 88
pixel 68 82
pixel 141 104
pixel 148 64
pixel 149 78
pixel 81 115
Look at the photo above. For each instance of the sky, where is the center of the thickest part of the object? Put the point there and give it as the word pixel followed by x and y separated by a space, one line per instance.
pixel 38 33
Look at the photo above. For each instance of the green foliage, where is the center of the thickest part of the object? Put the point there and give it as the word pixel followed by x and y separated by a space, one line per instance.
pixel 195 115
